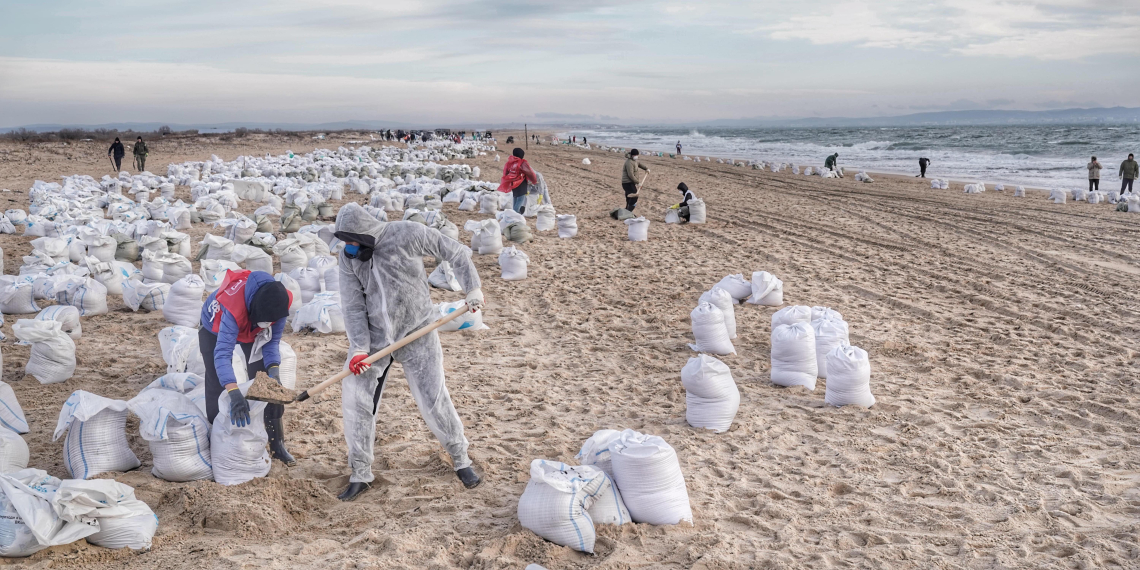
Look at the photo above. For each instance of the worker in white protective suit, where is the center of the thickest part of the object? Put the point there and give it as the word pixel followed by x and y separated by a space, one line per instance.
pixel 385 296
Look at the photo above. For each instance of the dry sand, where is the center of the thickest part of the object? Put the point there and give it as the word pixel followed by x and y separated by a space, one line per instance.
pixel 1002 335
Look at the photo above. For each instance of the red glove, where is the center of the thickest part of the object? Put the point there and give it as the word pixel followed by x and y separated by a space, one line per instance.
pixel 357 365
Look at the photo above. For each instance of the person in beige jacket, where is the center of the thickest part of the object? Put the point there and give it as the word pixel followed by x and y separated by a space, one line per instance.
pixel 1094 175
pixel 630 179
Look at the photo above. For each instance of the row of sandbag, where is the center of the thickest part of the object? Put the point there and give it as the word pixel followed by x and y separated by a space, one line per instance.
pixel 624 477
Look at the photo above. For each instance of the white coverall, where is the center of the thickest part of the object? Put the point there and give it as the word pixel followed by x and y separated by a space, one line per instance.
pixel 384 299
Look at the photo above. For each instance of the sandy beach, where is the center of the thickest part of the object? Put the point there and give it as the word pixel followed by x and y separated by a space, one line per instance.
pixel 1002 335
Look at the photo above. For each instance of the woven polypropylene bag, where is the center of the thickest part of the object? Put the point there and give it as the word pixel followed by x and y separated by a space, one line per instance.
pixel 52 357
pixel 711 395
pixel 96 435
pixel 177 434
pixel 556 501
pixel 791 315
pixel 723 301
pixel 829 335
pixel 710 331
pixel 849 377
pixel 767 289
pixel 737 286
pixel 648 475
pixel 793 355
pixel 239 454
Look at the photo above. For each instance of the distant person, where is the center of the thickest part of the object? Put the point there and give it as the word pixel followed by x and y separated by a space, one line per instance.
pixel 140 152
pixel 832 162
pixel 1094 175
pixel 116 153
pixel 678 148
pixel 924 162
pixel 683 207
pixel 629 179
pixel 584 140
pixel 1129 171
pixel 517 174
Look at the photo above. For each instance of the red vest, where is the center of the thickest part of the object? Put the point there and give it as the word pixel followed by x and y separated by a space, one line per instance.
pixel 231 295
pixel 513 174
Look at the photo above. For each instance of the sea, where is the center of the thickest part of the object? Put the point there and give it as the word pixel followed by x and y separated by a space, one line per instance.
pixel 1036 156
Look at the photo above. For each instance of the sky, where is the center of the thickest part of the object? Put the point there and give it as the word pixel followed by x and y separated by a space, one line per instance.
pixel 505 61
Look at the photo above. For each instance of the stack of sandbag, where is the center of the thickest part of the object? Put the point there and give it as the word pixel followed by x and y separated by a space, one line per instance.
pixel 831 332
pixel 13 423
pixel 239 454
pixel 513 263
pixel 638 229
pixel 471 321
pixel 183 304
pixel 567 225
pixel 793 355
pixel 322 314
pixel 443 277
pixel 67 316
pixel 722 300
pixel 711 396
pixel 737 287
pixel 648 475
pixel 562 503
pixel 177 433
pixel 96 435
pixel 767 289
pixel 848 377
pixel 52 356
pixel 710 330
pixel 696 211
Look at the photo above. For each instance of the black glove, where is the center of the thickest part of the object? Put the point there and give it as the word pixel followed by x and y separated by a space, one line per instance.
pixel 239 408
pixel 274 371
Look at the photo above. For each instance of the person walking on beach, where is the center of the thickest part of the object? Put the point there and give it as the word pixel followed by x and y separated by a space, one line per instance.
pixel 923 162
pixel 116 152
pixel 517 174
pixel 1094 175
pixel 140 152
pixel 630 180
pixel 1129 171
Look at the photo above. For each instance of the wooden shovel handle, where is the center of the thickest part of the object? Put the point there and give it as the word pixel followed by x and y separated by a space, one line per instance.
pixel 391 348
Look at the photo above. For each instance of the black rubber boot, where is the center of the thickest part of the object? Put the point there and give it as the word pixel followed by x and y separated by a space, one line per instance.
pixel 353 491
pixel 468 477
pixel 276 430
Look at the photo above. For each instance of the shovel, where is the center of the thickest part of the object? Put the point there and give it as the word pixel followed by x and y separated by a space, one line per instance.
pixel 256 392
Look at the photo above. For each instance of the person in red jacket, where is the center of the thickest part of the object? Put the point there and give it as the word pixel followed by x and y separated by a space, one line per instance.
pixel 517 175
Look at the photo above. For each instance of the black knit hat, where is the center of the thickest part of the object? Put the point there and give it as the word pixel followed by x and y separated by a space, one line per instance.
pixel 270 303
pixel 634 152
pixel 518 152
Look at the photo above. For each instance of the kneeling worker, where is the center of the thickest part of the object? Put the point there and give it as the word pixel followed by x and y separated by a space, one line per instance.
pixel 385 296
pixel 683 207
pixel 249 310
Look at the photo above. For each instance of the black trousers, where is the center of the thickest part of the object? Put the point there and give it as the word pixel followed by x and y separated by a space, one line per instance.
pixel 629 188
pixel 207 341
pixel 1127 183
pixel 1094 184
pixel 118 163
pixel 922 169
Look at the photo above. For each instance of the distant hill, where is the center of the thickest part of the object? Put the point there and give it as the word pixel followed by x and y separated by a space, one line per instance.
pixel 1106 116
pixel 153 126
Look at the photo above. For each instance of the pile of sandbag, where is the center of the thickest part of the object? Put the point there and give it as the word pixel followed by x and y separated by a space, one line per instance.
pixel 96 435
pixel 711 396
pixel 323 314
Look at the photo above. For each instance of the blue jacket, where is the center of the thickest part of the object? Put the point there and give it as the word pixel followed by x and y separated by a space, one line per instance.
pixel 228 331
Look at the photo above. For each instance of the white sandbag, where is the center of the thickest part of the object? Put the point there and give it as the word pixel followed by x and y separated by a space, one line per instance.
pixel 737 286
pixel 52 356
pixel 213 272
pixel 85 294
pixel 472 321
pixel 179 347
pixel 153 244
pixel 252 258
pixel 513 262
pixel 216 247
pixel 17 297
pixel 309 280
pixel 829 335
pixel 14 456
pixel 648 475
pixel 287 372
pixel 545 218
pixel 555 502
pixel 672 216
pixel 102 248
pixel 469 204
pixel 1019 192
pixel 849 377
pixel 637 229
pixel 290 254
pixel 710 331
pixel 818 313
pixel 11 414
pixel 183 304
pixel 174 266
pixel 793 355
pixel 239 454
pixel 567 225
pixel 123 520
pixel 696 211
pixel 791 315
pixel 443 277
pixel 28 520
pixel 176 432
pixel 596 450
pixel 145 296
pixel 68 317
pixel 490 238
pixel 322 314
pixel 96 435
pixel 489 203
pixel 711 396
pixel 767 289
pixel 722 300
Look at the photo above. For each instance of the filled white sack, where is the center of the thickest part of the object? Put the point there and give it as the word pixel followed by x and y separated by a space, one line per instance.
pixel 472 321
pixel 638 229
pixel 829 335
pixel 513 263
pixel 849 377
pixel 767 289
pixel 596 450
pixel 556 502
pixel 737 286
pixel 14 452
pixel 252 258
pixel 52 356
pixel 696 211
pixel 83 293
pixel 28 521
pixel 791 315
pixel 545 219
pixel 11 414
pixel 648 475
pixel 818 313
pixel 294 289
pixel 793 355
pixel 213 272
pixel 146 296
pixel 711 396
pixel 96 435
pixel 123 520
pixel 67 316
pixel 239 454
pixel 17 296
pixel 723 301
pixel 322 314
pixel 443 277
pixel 710 331
pixel 176 432
pixel 567 225
pixel 183 305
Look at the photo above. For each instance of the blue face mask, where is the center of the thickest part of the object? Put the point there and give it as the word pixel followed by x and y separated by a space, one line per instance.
pixel 351 250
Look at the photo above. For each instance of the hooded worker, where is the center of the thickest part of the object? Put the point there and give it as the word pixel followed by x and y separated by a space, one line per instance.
pixel 517 177
pixel 683 207
pixel 249 311
pixel 116 152
pixel 385 297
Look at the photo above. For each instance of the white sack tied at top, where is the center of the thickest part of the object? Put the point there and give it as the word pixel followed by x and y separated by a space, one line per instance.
pixel 558 501
pixel 710 331
pixel 711 396
pixel 648 475
pixel 793 355
pixel 767 289
pixel 849 377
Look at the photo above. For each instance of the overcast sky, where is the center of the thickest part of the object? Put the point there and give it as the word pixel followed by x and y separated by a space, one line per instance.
pixel 84 62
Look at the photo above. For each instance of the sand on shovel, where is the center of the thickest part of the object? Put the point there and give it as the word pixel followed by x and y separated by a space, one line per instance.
pixel 267 389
